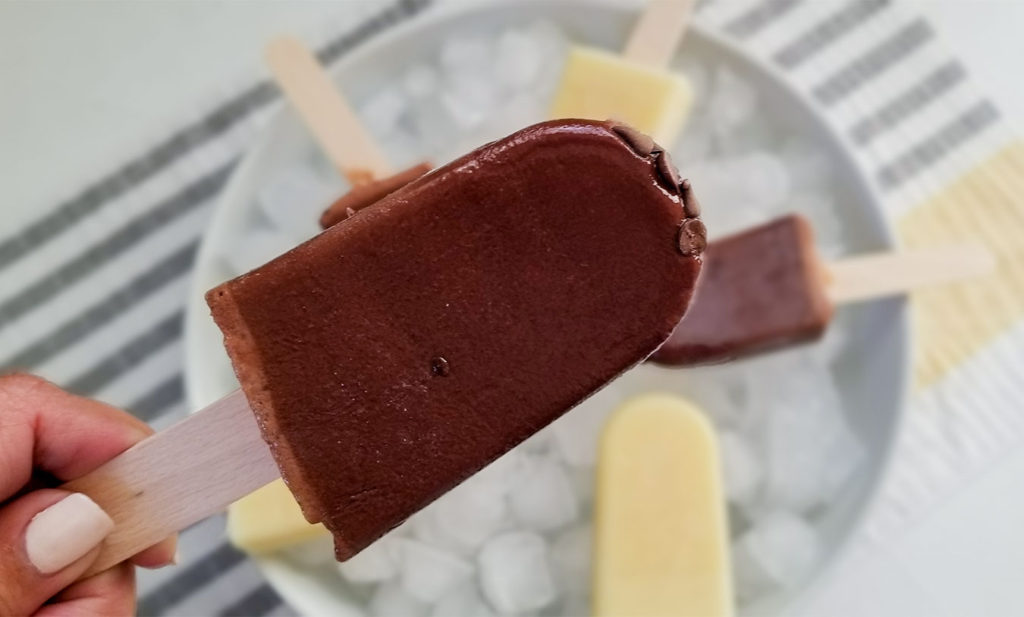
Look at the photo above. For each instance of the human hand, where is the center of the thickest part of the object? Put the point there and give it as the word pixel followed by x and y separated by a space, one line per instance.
pixel 49 537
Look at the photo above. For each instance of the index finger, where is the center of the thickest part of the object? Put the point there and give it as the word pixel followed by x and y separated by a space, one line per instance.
pixel 44 427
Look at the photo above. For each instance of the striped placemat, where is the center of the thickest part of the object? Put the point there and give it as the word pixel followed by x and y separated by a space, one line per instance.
pixel 92 292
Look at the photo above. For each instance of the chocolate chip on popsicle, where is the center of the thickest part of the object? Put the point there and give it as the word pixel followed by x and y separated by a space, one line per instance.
pixel 391 357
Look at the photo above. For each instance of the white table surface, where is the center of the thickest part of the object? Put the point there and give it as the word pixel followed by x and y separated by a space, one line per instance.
pixel 82 84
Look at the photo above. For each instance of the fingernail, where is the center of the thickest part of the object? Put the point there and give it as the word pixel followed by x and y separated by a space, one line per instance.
pixel 177 557
pixel 61 534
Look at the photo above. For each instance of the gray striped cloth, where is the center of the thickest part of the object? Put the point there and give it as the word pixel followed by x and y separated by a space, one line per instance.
pixel 92 292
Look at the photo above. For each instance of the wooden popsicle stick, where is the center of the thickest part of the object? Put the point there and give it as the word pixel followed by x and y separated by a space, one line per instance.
pixel 326 114
pixel 658 31
pixel 886 274
pixel 177 477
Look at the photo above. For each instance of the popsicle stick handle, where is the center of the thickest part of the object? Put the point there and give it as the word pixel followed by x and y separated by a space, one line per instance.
pixel 887 274
pixel 326 114
pixel 658 31
pixel 178 477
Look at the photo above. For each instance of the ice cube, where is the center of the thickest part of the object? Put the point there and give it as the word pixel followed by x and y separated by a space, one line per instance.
pixel 466 54
pixel 540 444
pixel 293 200
pixel 470 101
pixel 780 549
pixel 576 433
pixel 514 113
pixel 714 182
pixel 544 498
pixel 741 469
pixel 390 600
pixel 718 392
pixel 583 481
pixel 846 458
pixel 505 472
pixel 255 247
pixel 469 514
pixel 421 81
pixel 427 573
pixel 570 560
pixel 514 573
pixel 808 165
pixel 752 136
pixel 424 527
pixel 434 127
pixel 375 563
pixel 383 111
pixel 463 601
pixel 733 100
pixel 403 148
pixel 804 423
pixel 518 61
pixel 548 38
pixel 764 180
pixel 552 45
pixel 694 146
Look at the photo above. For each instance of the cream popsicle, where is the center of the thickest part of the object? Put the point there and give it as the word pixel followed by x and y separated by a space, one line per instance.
pixel 391 357
pixel 767 288
pixel 660 531
pixel 269 519
pixel 634 87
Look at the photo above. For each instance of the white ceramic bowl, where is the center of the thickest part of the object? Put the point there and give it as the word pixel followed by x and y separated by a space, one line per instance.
pixel 871 375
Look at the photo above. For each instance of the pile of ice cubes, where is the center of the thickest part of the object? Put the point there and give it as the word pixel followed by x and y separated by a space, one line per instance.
pixel 515 539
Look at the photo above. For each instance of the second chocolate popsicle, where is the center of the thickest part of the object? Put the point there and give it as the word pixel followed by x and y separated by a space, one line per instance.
pixel 761 289
pixel 767 288
pixel 394 355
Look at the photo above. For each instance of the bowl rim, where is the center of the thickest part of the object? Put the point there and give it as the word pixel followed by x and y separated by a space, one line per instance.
pixel 441 16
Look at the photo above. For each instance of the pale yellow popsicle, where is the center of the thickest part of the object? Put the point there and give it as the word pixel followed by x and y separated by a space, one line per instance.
pixel 268 520
pixel 634 87
pixel 660 530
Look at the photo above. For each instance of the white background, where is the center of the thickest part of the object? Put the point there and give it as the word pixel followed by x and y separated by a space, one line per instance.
pixel 83 85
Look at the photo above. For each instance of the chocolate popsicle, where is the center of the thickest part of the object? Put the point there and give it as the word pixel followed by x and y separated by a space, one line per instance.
pixel 760 289
pixel 393 356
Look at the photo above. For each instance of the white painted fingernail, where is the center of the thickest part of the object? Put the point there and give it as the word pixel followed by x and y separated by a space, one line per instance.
pixel 61 534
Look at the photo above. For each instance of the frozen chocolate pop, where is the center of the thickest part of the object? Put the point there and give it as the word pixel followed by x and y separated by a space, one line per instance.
pixel 762 288
pixel 391 357
pixel 394 355
pixel 767 287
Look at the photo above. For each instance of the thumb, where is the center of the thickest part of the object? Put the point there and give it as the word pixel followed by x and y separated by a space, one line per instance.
pixel 47 540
